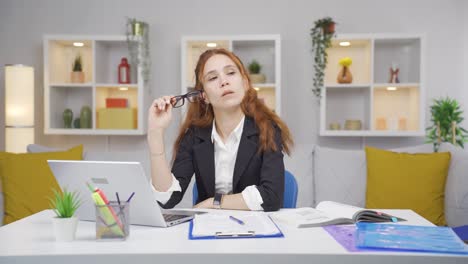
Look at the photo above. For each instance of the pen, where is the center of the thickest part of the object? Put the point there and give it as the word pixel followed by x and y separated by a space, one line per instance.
pixel 131 196
pixel 240 222
pixel 103 197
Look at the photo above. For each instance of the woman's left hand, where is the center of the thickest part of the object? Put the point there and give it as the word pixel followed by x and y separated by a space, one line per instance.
pixel 208 203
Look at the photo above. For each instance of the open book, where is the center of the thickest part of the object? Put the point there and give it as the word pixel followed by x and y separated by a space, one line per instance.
pixel 331 213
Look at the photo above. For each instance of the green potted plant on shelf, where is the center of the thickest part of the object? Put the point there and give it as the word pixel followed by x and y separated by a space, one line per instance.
pixel 345 76
pixel 137 34
pixel 77 74
pixel 322 33
pixel 254 72
pixel 65 204
pixel 446 116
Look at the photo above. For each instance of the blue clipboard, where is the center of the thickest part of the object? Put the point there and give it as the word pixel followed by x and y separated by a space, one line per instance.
pixel 232 235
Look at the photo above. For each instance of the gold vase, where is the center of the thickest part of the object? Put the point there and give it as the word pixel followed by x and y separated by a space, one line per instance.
pixel 344 76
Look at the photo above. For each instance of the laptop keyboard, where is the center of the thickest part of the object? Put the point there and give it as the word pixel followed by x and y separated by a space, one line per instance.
pixel 172 217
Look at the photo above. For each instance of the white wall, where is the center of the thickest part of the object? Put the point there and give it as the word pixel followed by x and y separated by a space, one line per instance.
pixel 464 89
pixel 23 23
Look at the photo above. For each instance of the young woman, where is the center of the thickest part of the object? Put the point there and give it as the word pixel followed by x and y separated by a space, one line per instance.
pixel 229 139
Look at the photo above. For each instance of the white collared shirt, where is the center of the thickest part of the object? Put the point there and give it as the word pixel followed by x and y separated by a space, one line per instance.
pixel 225 160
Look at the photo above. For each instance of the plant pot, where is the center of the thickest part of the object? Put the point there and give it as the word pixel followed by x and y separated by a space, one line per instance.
pixel 77 77
pixel 344 76
pixel 64 228
pixel 257 78
pixel 137 28
pixel 329 29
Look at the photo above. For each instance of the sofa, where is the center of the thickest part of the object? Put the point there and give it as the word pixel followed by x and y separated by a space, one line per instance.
pixel 319 178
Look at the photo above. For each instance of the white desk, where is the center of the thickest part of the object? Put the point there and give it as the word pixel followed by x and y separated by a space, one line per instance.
pixel 31 240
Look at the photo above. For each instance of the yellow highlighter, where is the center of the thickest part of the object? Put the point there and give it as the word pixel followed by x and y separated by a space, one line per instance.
pixel 109 219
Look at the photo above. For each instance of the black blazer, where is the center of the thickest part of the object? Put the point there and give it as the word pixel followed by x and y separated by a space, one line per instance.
pixel 264 169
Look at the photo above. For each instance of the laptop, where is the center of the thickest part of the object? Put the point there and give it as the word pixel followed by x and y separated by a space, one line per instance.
pixel 112 177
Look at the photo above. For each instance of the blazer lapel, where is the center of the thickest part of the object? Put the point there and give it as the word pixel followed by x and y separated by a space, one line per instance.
pixel 204 155
pixel 247 148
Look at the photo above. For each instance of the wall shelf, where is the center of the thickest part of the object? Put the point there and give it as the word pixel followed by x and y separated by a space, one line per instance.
pixel 101 56
pixel 383 108
pixel 263 48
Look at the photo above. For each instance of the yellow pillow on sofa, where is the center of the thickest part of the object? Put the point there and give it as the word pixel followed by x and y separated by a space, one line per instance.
pixel 28 181
pixel 407 181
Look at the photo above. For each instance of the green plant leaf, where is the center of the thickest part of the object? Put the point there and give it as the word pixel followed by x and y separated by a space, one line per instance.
pixel 445 112
pixel 321 40
pixel 65 203
pixel 254 67
pixel 77 64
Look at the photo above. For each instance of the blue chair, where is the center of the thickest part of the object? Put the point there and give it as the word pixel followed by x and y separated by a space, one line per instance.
pixel 290 191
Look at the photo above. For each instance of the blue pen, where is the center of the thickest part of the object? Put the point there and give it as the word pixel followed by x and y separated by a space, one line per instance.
pixel 240 222
pixel 131 196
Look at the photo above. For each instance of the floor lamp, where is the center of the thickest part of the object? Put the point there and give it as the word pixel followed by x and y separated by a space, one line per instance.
pixel 19 107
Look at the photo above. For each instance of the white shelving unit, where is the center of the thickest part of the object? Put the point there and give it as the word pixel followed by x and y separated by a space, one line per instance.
pixel 265 49
pixel 101 56
pixel 383 108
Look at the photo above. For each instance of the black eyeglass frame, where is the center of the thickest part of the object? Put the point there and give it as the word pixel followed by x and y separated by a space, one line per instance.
pixel 193 96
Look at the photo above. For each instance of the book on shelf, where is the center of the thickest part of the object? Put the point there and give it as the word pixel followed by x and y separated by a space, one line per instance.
pixel 331 213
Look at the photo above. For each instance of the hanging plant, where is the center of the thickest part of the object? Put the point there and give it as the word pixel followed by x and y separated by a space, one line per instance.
pixel 321 33
pixel 138 46
pixel 446 118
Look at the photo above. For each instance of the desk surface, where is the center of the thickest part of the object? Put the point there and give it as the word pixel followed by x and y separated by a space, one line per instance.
pixel 31 240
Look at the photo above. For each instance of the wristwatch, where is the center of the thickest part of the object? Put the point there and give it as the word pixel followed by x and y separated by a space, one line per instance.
pixel 218 197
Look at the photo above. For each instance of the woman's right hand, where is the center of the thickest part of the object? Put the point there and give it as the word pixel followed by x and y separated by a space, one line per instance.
pixel 160 114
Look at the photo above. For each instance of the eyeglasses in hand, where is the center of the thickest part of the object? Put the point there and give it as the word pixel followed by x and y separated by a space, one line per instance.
pixel 179 100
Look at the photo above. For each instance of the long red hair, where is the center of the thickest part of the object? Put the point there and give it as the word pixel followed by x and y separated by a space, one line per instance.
pixel 200 114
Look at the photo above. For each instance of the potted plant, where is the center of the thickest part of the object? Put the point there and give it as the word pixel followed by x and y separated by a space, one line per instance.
pixel 254 70
pixel 138 46
pixel 65 204
pixel 345 76
pixel 77 74
pixel 321 33
pixel 446 116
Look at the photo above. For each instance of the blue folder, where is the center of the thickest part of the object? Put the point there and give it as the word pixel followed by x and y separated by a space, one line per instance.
pixel 409 238
pixel 233 235
pixel 462 232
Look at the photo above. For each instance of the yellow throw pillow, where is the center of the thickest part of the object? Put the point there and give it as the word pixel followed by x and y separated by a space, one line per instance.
pixel 28 181
pixel 407 181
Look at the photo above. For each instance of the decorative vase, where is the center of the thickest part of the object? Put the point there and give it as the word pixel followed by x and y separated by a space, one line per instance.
pixel 257 78
pixel 85 117
pixel 77 77
pixel 353 124
pixel 394 75
pixel 67 118
pixel 335 126
pixel 65 228
pixel 76 123
pixel 345 75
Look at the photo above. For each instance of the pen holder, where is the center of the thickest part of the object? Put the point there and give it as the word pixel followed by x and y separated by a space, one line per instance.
pixel 112 221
